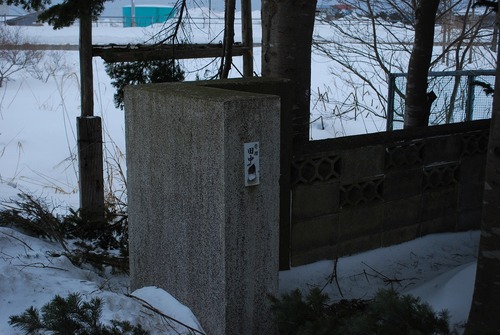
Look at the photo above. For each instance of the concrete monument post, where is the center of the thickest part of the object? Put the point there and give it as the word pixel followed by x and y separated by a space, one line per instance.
pixel 203 192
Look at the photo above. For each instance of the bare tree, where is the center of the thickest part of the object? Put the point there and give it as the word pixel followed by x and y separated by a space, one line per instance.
pixel 54 64
pixel 418 101
pixel 377 40
pixel 365 49
pixel 14 56
pixel 457 50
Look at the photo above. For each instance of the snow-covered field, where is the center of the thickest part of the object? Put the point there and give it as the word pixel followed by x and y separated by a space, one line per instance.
pixel 38 155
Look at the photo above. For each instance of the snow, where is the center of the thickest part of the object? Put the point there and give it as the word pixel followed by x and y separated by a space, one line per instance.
pixel 163 301
pixel 438 268
pixel 38 156
pixel 32 273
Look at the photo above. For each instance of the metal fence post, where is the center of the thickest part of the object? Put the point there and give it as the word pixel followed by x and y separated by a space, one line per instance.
pixel 469 104
pixel 390 102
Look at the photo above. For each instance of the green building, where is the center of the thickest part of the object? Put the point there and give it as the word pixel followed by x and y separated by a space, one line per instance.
pixel 146 15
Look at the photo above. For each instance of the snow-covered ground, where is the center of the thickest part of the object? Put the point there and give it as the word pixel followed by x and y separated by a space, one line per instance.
pixel 439 268
pixel 38 155
pixel 30 275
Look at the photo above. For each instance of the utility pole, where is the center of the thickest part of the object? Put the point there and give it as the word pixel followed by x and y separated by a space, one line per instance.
pixel 132 14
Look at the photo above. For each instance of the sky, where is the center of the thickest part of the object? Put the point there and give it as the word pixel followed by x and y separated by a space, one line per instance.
pixel 37 155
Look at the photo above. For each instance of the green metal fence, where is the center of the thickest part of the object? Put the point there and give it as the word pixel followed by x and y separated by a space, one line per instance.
pixel 461 96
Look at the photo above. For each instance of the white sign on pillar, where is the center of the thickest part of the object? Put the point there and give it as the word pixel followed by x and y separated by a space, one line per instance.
pixel 252 170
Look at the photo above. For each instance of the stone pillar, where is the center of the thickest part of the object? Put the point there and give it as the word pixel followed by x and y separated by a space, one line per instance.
pixel 282 88
pixel 196 230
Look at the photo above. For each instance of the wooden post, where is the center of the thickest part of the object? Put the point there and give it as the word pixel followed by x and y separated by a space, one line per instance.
pixel 89 129
pixel 86 75
pixel 91 167
pixel 247 37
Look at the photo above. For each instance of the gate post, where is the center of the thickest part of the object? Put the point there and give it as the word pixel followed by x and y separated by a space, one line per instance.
pixel 203 188
pixel 283 89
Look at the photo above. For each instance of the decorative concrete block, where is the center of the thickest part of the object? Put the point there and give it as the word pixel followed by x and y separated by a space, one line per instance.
pixel 195 229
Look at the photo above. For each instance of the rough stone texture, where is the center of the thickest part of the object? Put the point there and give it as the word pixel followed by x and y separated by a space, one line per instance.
pixel 281 88
pixel 195 229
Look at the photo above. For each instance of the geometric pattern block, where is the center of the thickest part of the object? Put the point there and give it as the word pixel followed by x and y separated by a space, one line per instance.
pixel 362 192
pixel 475 143
pixel 441 175
pixel 309 170
pixel 403 155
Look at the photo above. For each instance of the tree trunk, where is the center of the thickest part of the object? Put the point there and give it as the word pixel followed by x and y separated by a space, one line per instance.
pixel 287 27
pixel 227 58
pixel 485 310
pixel 418 102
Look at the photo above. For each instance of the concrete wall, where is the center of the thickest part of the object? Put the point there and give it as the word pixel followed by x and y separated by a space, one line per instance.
pixel 359 193
pixel 195 229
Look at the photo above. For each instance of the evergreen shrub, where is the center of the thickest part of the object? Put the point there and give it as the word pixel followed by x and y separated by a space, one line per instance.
pixel 141 72
pixel 69 316
pixel 388 313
